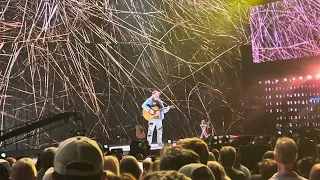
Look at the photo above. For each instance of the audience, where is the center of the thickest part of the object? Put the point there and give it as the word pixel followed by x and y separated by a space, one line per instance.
pixel 24 169
pixel 165 175
pixel 129 164
pixel 81 158
pixel 268 168
pixel 146 166
pixel 286 153
pixel 48 174
pixel 227 159
pixel 256 169
pixel 176 157
pixel 155 165
pixel 4 169
pixel 315 172
pixel 111 163
pixel 46 161
pixel 78 158
pixel 215 153
pixel 198 146
pixel 218 170
pixel 11 160
pixel 303 167
pixel 268 155
pixel 197 171
pixel 238 166
pixel 126 176
pixel 211 157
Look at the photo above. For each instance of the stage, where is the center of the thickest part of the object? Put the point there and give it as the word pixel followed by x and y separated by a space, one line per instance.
pixel 126 147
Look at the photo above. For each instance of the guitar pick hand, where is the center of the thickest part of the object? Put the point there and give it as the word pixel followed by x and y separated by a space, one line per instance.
pixel 151 111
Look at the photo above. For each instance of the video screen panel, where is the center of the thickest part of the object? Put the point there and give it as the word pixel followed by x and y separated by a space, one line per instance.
pixel 288 29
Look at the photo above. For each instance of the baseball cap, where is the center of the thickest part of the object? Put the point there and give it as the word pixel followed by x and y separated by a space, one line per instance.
pixel 78 156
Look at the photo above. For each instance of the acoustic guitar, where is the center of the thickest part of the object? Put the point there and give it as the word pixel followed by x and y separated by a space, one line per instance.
pixel 157 112
pixel 140 134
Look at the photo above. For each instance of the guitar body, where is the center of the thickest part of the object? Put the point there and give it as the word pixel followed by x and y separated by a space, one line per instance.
pixel 147 116
pixel 140 134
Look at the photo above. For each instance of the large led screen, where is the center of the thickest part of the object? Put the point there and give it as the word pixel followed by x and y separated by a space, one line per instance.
pixel 288 29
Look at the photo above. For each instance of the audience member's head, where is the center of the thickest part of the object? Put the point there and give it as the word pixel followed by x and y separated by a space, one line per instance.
pixel 268 168
pixel 197 145
pixel 4 169
pixel 176 157
pixel 315 172
pixel 227 156
pixel 304 166
pixel 78 158
pixel 218 170
pixel 215 153
pixel 48 174
pixel 256 169
pixel 11 160
pixel 165 175
pixel 111 163
pixel 24 169
pixel 129 164
pixel 197 171
pixel 111 176
pixel 268 155
pixel 155 165
pixel 286 151
pixel 146 166
pixel 212 157
pixel 47 157
pixel 126 176
pixel 164 149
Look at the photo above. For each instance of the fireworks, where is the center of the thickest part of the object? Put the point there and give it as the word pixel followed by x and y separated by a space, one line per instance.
pixel 104 57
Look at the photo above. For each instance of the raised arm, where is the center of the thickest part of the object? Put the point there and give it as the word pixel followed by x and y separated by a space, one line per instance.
pixel 146 103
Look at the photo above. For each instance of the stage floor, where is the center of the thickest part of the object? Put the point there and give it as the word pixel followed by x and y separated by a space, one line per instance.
pixel 126 148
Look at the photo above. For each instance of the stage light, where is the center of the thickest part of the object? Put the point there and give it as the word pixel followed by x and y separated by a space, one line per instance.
pixel 3 155
pixel 309 77
pixel 277 80
pixel 293 79
pixel 225 139
pixel 215 140
pixel 279 134
pixel 106 148
pixel 260 82
pixel 285 79
pixel 300 77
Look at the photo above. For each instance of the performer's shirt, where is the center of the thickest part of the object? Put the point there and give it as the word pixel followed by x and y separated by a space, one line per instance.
pixel 150 103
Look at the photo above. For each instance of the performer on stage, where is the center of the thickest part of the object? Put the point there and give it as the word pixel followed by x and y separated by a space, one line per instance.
pixel 155 100
pixel 204 126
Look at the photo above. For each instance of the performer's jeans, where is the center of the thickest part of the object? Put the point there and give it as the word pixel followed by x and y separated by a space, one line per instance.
pixel 158 124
